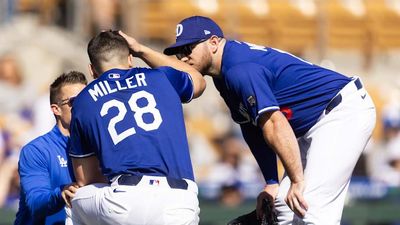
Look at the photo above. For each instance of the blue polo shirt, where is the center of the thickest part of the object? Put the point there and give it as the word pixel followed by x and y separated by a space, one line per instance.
pixel 44 169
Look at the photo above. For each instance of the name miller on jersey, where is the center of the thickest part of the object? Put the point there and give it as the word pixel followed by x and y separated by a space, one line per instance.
pixel 103 88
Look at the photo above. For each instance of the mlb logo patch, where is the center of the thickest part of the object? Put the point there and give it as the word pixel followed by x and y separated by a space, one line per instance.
pixel 154 182
pixel 114 75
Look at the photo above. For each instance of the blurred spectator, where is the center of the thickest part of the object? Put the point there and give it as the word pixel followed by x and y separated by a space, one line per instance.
pixel 2 140
pixel 230 196
pixel 235 173
pixel 226 170
pixel 6 10
pixel 11 85
pixel 13 192
pixel 391 120
pixel 17 133
pixel 103 14
pixel 385 160
pixel 15 125
pixel 391 175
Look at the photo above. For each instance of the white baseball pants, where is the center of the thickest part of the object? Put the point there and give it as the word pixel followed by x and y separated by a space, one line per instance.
pixel 150 202
pixel 330 151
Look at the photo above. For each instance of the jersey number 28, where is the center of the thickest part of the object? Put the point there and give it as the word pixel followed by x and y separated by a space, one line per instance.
pixel 138 113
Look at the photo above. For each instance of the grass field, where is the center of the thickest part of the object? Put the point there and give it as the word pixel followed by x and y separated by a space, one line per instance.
pixel 212 213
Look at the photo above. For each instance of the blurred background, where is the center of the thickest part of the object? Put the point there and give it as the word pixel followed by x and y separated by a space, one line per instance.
pixel 40 39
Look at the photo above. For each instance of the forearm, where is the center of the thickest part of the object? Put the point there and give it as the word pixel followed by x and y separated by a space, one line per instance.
pixel 42 203
pixel 280 136
pixel 156 59
pixel 263 154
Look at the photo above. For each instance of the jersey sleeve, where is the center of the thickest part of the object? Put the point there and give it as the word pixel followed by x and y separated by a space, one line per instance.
pixel 250 83
pixel 181 81
pixel 41 199
pixel 264 155
pixel 79 147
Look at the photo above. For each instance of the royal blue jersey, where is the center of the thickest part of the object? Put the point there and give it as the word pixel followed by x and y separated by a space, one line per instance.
pixel 44 170
pixel 132 120
pixel 257 79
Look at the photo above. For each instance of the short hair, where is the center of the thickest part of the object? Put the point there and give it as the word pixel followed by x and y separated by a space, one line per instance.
pixel 105 47
pixel 73 77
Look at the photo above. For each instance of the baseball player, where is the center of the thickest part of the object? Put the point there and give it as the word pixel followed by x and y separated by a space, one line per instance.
pixel 284 104
pixel 44 168
pixel 129 122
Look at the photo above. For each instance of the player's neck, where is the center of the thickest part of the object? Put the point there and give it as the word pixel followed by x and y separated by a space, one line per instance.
pixel 63 129
pixel 115 66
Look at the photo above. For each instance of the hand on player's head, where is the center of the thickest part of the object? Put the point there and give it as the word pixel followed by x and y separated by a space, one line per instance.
pixel 134 45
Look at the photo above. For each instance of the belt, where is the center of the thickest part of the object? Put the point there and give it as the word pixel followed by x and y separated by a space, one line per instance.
pixel 338 98
pixel 129 179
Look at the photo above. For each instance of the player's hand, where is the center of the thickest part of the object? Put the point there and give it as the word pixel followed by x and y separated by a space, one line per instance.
pixel 295 199
pixel 269 192
pixel 134 45
pixel 68 193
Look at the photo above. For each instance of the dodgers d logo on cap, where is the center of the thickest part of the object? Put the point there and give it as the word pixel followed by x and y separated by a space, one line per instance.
pixel 179 30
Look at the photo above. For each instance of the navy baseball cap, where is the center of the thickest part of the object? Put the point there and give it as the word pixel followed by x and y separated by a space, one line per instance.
pixel 193 29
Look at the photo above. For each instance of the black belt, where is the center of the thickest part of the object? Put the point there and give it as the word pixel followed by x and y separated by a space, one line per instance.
pixel 129 179
pixel 338 98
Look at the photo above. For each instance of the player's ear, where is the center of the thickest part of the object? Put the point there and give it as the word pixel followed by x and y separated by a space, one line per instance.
pixel 55 109
pixel 130 60
pixel 92 71
pixel 214 43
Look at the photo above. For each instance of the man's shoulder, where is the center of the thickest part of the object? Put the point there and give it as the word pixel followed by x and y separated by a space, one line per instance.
pixel 40 144
pixel 36 148
pixel 243 70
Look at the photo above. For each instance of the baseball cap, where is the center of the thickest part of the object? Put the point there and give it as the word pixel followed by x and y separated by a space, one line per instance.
pixel 193 29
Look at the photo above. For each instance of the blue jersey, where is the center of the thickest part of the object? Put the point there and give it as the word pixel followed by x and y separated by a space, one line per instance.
pixel 44 170
pixel 132 120
pixel 257 79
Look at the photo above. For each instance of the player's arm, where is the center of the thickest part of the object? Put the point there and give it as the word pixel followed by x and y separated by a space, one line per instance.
pixel 156 59
pixel 266 159
pixel 41 199
pixel 85 163
pixel 251 82
pixel 279 134
pixel 87 171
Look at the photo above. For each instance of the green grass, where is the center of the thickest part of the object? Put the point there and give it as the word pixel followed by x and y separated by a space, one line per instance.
pixel 212 213
pixel 7 216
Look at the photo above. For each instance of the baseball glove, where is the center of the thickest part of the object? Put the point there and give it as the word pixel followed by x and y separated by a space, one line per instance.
pixel 269 218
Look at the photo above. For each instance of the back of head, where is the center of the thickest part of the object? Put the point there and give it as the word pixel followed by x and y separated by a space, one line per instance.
pixel 107 48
